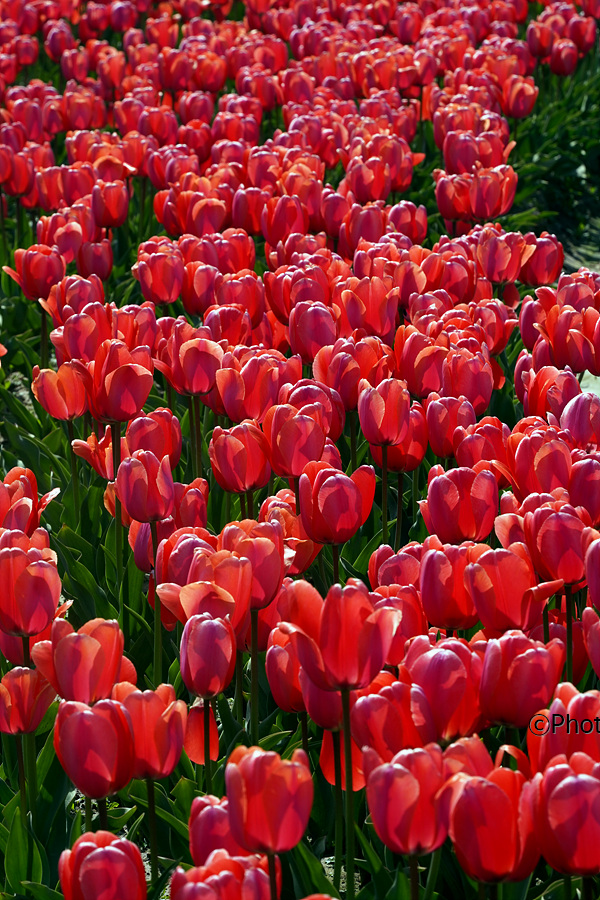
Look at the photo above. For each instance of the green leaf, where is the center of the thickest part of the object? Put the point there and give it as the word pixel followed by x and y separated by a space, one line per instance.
pixel 23 861
pixel 308 873
pixel 373 865
pixel 41 891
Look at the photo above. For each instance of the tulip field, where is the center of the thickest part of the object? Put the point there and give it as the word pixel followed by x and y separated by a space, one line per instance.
pixel 299 449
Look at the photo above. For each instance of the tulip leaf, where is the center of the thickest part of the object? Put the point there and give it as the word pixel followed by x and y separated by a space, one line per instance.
pixel 22 861
pixel 41 891
pixel 372 863
pixel 308 873
pixel 138 793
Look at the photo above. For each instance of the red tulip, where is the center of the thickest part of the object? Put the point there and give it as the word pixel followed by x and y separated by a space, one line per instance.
pixel 384 411
pixel 110 203
pixel 282 668
pixel 62 394
pixel 158 721
pixel 95 746
pixel 102 865
pixel 519 677
pixel 449 673
pixel 294 438
pixel 37 269
pixel 402 796
pixel 118 381
pixel 262 544
pixel 159 432
pixel 25 697
pixel 461 504
pixel 548 735
pixel 334 506
pixel 446 602
pixel 210 829
pixel 20 506
pixel 395 718
pixel 565 799
pixel 444 416
pixel 503 846
pixel 239 457
pixel 208 648
pixel 503 586
pixel 145 486
pixel 270 799
pixel 31 589
pixel 83 665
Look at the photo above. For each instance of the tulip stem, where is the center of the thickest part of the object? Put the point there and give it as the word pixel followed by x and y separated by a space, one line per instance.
pixel 103 811
pixel 413 865
pixel 198 430
pixel 243 508
pixel 352 417
pixel 546 624
pixel 207 772
pixel 250 504
pixel 192 433
pixel 239 687
pixel 157 667
pixel 74 475
pixel 272 875
pixel 349 796
pixel 339 812
pixel 254 676
pixel 88 814
pixel 31 774
pixel 303 716
pixel 116 454
pixel 43 338
pixel 152 830
pixel 415 491
pixel 335 549
pixel 432 875
pixel 22 783
pixel 26 653
pixel 399 511
pixel 567 887
pixel 297 494
pixel 587 887
pixel 384 481
pixel 569 663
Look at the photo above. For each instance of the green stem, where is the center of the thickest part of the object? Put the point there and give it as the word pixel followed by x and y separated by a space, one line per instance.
pixel 198 428
pixel 352 417
pixel 22 782
pixel 250 503
pixel 432 875
pixel 272 875
pixel 243 508
pixel 30 755
pixel 303 716
pixel 152 830
pixel 116 454
pixel 88 814
pixel 546 624
pixel 157 666
pixel 26 652
pixel 254 676
pixel 192 434
pixel 239 687
pixel 207 772
pixel 339 809
pixel 349 796
pixel 44 355
pixel 297 494
pixel 415 492
pixel 103 810
pixel 399 511
pixel 567 887
pixel 587 887
pixel 142 209
pixel 74 475
pixel 413 864
pixel 335 549
pixel 569 663
pixel 384 480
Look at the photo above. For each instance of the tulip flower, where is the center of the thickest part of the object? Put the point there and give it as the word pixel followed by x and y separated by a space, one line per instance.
pixel 145 486
pixel 100 864
pixel 207 655
pixel 25 697
pixel 461 504
pixel 504 845
pixel 544 743
pixel 239 457
pixel 565 797
pixel 62 394
pixel 159 432
pixel 95 746
pixel 83 665
pixel 31 590
pixel 270 799
pixel 446 602
pixel 210 829
pixel 518 677
pixel 118 381
pixel 402 796
pixel 395 718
